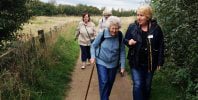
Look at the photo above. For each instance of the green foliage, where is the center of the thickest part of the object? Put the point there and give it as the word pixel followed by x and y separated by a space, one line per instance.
pixel 38 73
pixel 53 78
pixel 161 88
pixel 123 13
pixel 13 13
pixel 39 8
pixel 179 21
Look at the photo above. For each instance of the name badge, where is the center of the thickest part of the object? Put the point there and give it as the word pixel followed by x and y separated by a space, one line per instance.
pixel 150 36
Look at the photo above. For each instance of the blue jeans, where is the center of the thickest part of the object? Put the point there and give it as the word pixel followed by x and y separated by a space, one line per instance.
pixel 142 80
pixel 85 53
pixel 106 77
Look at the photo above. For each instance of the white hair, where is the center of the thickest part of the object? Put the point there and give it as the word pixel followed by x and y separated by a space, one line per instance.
pixel 113 20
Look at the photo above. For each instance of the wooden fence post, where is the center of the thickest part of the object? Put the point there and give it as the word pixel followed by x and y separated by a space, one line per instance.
pixel 50 32
pixel 56 29
pixel 33 43
pixel 33 47
pixel 41 38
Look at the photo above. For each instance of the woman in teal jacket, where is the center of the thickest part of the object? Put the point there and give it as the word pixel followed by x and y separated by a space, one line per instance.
pixel 108 52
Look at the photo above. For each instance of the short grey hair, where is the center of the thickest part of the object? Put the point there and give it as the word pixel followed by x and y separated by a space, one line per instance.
pixel 113 20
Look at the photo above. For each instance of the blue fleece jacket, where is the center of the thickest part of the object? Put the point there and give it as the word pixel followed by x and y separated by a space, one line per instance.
pixel 109 50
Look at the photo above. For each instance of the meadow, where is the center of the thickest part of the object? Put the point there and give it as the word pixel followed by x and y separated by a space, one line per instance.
pixel 45 23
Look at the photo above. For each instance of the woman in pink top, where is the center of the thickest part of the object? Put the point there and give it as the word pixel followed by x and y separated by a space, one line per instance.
pixel 85 33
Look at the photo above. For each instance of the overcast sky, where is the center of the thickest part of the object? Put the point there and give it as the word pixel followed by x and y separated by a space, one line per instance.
pixel 125 4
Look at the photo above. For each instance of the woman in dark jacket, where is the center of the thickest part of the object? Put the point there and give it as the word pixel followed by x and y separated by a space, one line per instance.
pixel 144 39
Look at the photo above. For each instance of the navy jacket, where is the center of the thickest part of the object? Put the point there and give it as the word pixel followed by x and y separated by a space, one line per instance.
pixel 157 44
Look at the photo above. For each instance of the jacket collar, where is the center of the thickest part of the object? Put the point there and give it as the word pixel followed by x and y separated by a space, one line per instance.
pixel 152 28
pixel 88 24
pixel 107 34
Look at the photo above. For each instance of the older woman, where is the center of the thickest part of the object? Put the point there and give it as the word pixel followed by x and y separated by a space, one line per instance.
pixel 85 34
pixel 146 51
pixel 108 51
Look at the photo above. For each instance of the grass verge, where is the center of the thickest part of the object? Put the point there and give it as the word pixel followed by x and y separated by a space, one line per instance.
pixel 162 89
pixel 40 73
pixel 61 63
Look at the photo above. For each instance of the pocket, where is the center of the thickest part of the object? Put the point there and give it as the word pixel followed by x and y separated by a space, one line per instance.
pixel 155 51
pixel 155 54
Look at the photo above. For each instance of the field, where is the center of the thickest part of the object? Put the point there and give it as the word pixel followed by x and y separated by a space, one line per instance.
pixel 45 23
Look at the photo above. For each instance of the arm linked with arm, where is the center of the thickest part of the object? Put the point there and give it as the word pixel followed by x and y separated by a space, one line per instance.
pixel 128 35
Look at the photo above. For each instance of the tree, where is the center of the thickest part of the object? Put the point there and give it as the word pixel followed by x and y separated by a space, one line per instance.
pixel 13 13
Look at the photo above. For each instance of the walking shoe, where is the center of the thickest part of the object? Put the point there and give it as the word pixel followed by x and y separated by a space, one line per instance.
pixel 82 67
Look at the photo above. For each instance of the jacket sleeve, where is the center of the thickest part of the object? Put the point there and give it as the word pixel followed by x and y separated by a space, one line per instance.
pixel 128 35
pixel 77 33
pixel 122 55
pixel 161 48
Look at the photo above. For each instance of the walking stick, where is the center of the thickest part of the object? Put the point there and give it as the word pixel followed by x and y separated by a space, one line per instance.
pixel 150 64
pixel 89 82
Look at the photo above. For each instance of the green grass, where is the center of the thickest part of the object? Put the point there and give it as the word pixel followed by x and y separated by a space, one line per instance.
pixel 55 78
pixel 41 73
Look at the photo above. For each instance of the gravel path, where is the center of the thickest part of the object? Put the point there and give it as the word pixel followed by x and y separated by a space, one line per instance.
pixel 80 80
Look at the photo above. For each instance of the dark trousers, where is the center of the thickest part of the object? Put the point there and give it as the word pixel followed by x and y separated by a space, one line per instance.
pixel 142 80
pixel 85 53
pixel 106 77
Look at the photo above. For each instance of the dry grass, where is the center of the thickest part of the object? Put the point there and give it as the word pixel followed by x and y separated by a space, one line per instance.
pixel 45 23
pixel 126 21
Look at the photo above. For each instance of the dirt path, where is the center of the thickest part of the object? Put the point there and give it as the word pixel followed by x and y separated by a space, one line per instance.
pixel 80 79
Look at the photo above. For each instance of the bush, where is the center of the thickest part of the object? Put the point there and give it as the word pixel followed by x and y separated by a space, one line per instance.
pixel 179 22
pixel 13 13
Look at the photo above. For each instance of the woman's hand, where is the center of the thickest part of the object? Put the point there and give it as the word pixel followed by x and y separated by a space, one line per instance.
pixel 122 70
pixel 158 68
pixel 132 42
pixel 92 60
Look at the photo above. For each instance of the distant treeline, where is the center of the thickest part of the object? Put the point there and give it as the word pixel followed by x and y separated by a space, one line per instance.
pixel 39 8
